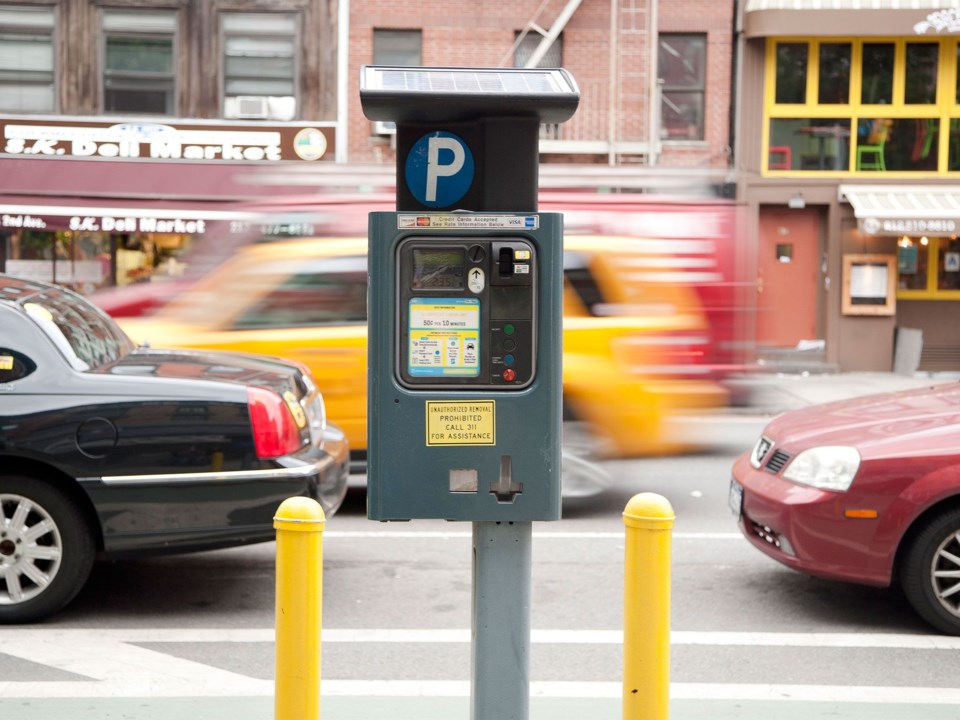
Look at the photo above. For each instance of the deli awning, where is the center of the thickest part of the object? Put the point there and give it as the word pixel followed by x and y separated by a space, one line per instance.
pixel 932 210
pixel 113 215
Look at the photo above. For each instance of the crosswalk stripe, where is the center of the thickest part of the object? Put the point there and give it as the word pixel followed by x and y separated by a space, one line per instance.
pixel 545 535
pixel 249 687
pixel 113 663
pixel 43 645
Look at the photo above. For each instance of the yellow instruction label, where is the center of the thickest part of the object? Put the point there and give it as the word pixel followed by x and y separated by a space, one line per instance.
pixel 466 422
pixel 6 362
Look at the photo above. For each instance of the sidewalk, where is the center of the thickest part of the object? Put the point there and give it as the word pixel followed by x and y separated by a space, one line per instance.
pixel 735 429
pixel 773 393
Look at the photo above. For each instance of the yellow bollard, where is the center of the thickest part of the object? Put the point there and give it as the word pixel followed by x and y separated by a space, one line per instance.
pixel 646 617
pixel 299 523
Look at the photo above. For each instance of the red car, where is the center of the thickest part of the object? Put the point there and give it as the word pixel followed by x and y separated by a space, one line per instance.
pixel 864 490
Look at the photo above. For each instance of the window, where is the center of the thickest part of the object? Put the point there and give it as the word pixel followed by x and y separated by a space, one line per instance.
pixel 332 291
pixel 528 45
pixel 27 59
pixel 87 338
pixel 397 47
pixel 863 107
pixel 14 365
pixel 928 268
pixel 138 74
pixel 260 74
pixel 682 63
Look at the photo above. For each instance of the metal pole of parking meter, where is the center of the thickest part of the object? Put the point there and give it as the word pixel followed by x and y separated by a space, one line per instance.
pixel 465 356
pixel 501 620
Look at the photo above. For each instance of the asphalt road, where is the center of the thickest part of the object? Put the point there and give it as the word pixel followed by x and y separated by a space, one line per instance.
pixel 192 636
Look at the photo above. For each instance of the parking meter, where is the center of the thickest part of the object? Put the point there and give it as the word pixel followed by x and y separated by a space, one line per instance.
pixel 464 337
pixel 464 367
pixel 465 299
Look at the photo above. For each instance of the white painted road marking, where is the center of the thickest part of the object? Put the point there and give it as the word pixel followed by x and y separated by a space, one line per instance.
pixel 441 535
pixel 116 667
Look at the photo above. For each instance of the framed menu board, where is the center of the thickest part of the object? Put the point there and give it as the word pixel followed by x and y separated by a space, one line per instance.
pixel 869 284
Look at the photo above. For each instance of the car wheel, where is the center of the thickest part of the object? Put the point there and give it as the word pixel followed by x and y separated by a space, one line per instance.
pixel 46 549
pixel 931 572
pixel 580 474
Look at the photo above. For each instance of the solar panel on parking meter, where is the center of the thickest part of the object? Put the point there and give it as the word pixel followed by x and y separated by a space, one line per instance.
pixel 464 358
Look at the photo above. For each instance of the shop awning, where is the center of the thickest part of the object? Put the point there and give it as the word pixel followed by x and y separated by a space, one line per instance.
pixel 932 210
pixel 799 18
pixel 25 212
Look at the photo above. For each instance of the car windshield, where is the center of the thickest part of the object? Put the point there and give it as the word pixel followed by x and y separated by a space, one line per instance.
pixel 87 338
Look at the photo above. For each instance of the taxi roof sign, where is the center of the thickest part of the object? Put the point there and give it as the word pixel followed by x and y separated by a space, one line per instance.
pixel 397 93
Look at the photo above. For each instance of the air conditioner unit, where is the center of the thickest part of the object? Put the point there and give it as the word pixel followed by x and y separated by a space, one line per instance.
pixel 383 127
pixel 251 107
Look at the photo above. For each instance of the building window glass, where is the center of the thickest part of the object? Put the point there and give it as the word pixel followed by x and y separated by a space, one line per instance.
pixel 819 120
pixel 138 76
pixel 921 74
pixel 929 268
pixel 27 59
pixel 791 73
pixel 834 87
pixel 876 84
pixel 948 264
pixel 527 43
pixel 912 257
pixel 260 74
pixel 682 63
pixel 809 143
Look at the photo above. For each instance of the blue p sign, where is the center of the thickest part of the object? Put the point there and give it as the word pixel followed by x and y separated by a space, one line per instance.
pixel 439 169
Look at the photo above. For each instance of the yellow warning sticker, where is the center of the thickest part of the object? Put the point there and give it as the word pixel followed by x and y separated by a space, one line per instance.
pixel 6 362
pixel 465 422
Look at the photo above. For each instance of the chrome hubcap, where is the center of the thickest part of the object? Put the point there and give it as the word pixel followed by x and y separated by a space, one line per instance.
pixel 30 549
pixel 946 574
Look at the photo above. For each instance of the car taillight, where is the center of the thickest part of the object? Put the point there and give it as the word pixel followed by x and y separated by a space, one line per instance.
pixel 275 431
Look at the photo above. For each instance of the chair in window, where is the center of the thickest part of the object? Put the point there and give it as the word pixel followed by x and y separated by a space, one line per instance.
pixel 780 158
pixel 870 151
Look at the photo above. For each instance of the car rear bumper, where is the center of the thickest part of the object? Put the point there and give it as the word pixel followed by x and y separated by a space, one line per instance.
pixel 804 528
pixel 176 512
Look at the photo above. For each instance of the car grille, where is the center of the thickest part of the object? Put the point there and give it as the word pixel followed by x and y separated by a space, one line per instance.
pixel 777 461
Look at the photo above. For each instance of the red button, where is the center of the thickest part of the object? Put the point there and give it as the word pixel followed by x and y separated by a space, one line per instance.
pixel 509 374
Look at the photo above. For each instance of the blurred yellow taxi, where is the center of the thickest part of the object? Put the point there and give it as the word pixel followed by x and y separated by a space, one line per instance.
pixel 630 347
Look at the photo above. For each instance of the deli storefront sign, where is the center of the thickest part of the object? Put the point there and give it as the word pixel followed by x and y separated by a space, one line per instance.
pixel 184 140
pixel 119 220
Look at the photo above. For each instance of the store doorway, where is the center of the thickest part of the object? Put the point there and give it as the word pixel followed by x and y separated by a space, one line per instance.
pixel 788 277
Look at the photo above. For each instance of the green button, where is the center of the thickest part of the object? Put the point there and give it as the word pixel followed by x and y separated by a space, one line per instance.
pixel 509 329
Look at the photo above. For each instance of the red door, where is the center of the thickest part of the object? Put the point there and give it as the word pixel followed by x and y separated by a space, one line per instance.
pixel 788 283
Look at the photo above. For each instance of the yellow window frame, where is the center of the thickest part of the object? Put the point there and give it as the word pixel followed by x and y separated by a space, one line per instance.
pixel 945 109
pixel 933 273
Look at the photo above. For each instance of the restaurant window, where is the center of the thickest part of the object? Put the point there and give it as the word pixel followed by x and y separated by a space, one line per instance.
pixel 682 61
pixel 138 74
pixel 921 74
pixel 834 85
pixel 876 81
pixel 928 268
pixel 260 70
pixel 862 107
pixel 27 78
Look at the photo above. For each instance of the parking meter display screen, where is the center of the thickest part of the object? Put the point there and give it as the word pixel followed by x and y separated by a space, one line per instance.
pixel 438 269
pixel 444 337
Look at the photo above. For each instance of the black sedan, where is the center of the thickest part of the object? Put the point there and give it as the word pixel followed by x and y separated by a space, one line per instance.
pixel 110 449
